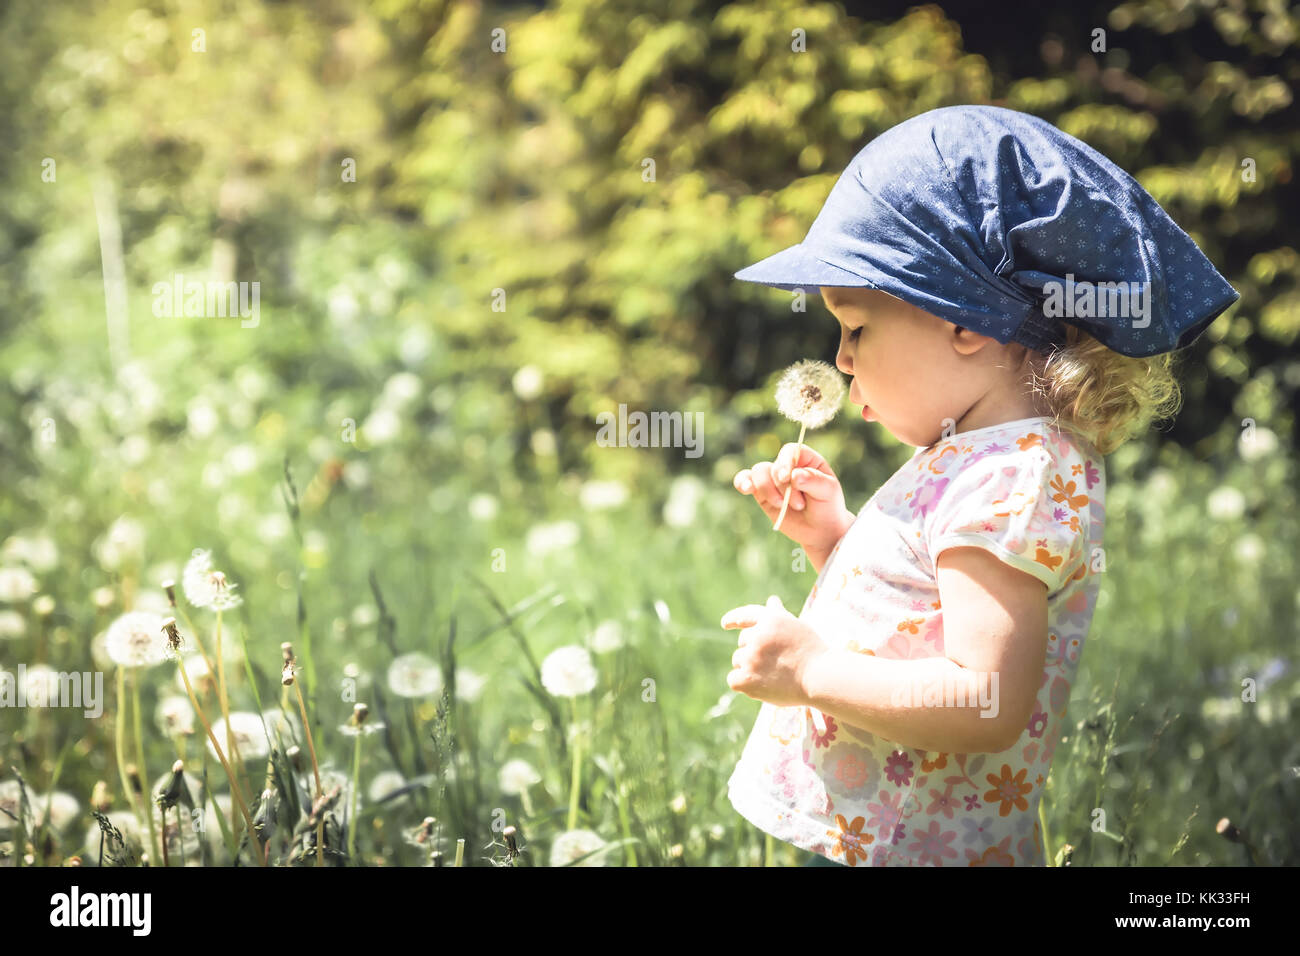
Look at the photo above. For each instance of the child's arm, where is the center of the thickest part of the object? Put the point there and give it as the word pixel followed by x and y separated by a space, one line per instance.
pixel 995 639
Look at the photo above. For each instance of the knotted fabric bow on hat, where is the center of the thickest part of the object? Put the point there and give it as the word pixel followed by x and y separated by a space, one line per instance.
pixel 997 221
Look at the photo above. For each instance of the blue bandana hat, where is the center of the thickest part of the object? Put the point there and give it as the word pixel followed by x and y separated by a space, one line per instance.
pixel 999 222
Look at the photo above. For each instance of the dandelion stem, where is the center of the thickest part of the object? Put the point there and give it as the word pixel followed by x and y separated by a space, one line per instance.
pixel 144 776
pixel 234 787
pixel 166 862
pixel 232 743
pixel 352 802
pixel 120 742
pixel 790 487
pixel 315 769
pixel 577 767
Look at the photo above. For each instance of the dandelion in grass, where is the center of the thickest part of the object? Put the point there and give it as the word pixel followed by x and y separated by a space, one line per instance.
pixel 125 823
pixel 135 639
pixel 607 637
pixel 469 684
pixel 245 729
pixel 574 845
pixel 175 716
pixel 61 809
pixel 516 777
pixel 359 726
pixel 810 393
pixel 414 675
pixel 206 587
pixel 11 796
pixel 384 783
pixel 568 672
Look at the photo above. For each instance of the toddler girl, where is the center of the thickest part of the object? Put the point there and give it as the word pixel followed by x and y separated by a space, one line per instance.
pixel 1007 300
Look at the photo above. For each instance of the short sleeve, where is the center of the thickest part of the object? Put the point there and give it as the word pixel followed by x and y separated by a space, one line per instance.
pixel 1024 507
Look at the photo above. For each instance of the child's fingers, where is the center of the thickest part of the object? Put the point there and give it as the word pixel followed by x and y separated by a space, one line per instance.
pixel 817 485
pixel 770 492
pixel 745 616
pixel 742 482
pixel 785 460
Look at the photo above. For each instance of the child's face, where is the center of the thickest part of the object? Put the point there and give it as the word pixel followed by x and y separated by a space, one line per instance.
pixel 910 369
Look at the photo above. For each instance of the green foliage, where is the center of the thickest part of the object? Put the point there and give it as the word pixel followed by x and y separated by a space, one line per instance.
pixel 504 215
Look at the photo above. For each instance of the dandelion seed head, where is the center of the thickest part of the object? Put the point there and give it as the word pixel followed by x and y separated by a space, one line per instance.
pixel 414 675
pixel 573 844
pixel 64 809
pixel 516 776
pixel 384 783
pixel 246 732
pixel 810 393
pixel 175 716
pixel 206 587
pixel 568 672
pixel 136 639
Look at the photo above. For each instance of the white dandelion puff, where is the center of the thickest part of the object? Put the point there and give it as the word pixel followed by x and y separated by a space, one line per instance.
pixel 573 845
pixel 205 587
pixel 469 684
pixel 607 637
pixel 11 794
pixel 63 809
pixel 16 584
pixel 136 639
pixel 175 716
pixel 568 672
pixel 12 624
pixel 517 776
pixel 809 392
pixel 125 823
pixel 414 675
pixel 385 783
pixel 246 733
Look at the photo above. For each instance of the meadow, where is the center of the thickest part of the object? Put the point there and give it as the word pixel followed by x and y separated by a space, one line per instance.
pixel 418 564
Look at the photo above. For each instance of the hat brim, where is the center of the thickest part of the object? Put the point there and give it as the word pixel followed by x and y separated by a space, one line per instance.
pixel 797 268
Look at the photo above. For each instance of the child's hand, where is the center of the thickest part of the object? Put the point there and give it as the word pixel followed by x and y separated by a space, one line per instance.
pixel 775 650
pixel 817 517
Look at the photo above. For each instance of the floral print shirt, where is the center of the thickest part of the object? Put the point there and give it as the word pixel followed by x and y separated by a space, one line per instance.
pixel 1032 495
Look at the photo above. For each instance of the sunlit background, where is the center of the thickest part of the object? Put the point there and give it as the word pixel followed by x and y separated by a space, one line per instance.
pixel 472 230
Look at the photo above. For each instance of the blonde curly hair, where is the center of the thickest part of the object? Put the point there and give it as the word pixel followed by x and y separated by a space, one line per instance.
pixel 1106 397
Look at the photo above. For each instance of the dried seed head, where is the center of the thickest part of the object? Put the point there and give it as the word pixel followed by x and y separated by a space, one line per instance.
pixel 1228 831
pixel 287 650
pixel 72 861
pixel 359 714
pixel 133 777
pixel 100 798
pixel 178 766
pixel 170 587
pixel 286 675
pixel 509 835
pixel 294 756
